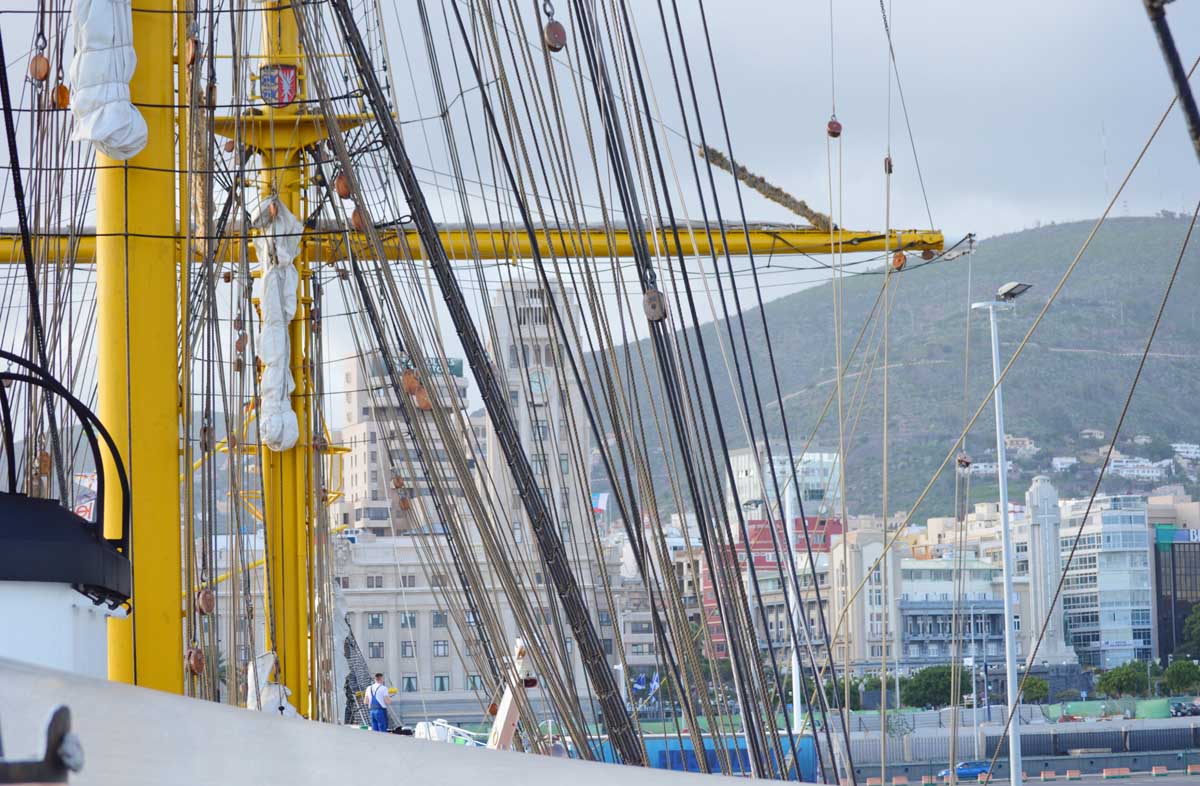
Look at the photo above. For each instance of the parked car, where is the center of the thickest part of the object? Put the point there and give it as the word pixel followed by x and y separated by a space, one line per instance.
pixel 1183 709
pixel 966 769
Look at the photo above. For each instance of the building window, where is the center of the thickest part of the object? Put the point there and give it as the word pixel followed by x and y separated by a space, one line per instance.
pixel 548 357
pixel 374 620
pixel 375 649
pixel 565 531
pixel 570 646
pixel 408 580
pixel 439 619
pixel 474 682
pixel 640 627
pixel 564 429
pixel 408 619
pixel 606 645
pixel 538 578
pixel 441 683
pixel 514 359
pixel 538 461
pixel 408 649
pixel 541 429
pixel 643 649
pixel 514 398
pixel 564 464
pixel 441 649
pixel 604 618
pixel 374 582
pixel 410 683
pixel 342 581
pixel 437 580
pixel 517 530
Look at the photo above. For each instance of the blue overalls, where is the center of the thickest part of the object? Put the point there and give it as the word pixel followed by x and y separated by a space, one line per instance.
pixel 379 718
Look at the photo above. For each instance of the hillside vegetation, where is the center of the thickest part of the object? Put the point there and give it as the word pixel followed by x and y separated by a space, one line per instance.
pixel 1074 374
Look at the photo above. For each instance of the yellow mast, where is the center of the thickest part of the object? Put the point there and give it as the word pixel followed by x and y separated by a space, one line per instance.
pixel 138 397
pixel 288 502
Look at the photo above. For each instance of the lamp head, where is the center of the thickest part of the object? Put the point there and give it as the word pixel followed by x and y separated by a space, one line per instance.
pixel 1012 290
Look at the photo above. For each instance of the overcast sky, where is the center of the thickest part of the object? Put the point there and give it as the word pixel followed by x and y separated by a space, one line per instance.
pixel 1022 111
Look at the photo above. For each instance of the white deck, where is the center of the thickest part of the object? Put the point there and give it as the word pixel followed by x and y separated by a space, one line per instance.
pixel 134 736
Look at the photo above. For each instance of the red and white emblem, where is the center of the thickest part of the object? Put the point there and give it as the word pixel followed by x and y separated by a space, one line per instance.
pixel 277 84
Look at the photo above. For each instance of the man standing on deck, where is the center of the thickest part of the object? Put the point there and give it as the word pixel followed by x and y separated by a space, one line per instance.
pixel 376 697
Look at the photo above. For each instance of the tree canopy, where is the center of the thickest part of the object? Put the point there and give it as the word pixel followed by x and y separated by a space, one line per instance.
pixel 1182 676
pixel 1127 680
pixel 931 686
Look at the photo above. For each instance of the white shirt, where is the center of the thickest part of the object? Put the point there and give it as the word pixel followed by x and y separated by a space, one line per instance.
pixel 375 689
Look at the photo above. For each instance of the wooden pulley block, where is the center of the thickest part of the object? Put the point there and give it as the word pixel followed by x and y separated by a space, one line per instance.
pixel 555 35
pixel 210 95
pixel 493 708
pixel 227 276
pixel 357 221
pixel 240 343
pixel 405 504
pixel 43 463
pixel 409 381
pixel 232 441
pixel 193 46
pixel 230 145
pixel 194 660
pixel 833 128
pixel 654 303
pixel 206 601
pixel 397 482
pixel 343 274
pixel 206 438
pixel 61 96
pixel 238 365
pixel 898 260
pixel 237 322
pixel 320 443
pixel 927 254
pixel 39 67
pixel 273 209
pixel 423 401
pixel 341 185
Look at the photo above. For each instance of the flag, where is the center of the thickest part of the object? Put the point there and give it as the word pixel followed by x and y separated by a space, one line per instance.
pixel 600 502
pixel 654 683
pixel 640 682
pixel 85 502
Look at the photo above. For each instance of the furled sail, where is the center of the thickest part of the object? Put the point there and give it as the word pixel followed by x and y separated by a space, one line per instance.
pixel 277 245
pixel 100 72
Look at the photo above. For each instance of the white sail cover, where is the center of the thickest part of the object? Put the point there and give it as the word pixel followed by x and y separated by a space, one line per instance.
pixel 277 245
pixel 99 75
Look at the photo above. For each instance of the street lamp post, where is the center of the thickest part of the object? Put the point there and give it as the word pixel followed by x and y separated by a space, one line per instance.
pixel 1004 298
pixel 974 684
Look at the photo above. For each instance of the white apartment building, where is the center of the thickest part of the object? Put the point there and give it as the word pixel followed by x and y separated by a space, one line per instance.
pixel 397 601
pixel 1108 596
pixel 988 468
pixel 1186 450
pixel 371 498
pixel 1063 463
pixel 1141 469
pixel 817 474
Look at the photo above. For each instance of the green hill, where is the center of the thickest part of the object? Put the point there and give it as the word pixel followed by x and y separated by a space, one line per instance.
pixel 1073 375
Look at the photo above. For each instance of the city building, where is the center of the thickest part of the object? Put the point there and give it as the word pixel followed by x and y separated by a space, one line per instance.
pixel 988 468
pixel 1108 594
pixel 1141 469
pixel 1037 537
pixel 1021 447
pixel 818 483
pixel 1063 463
pixel 374 483
pixel 1186 450
pixel 396 597
pixel 933 615
pixel 1176 583
pixel 1092 434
